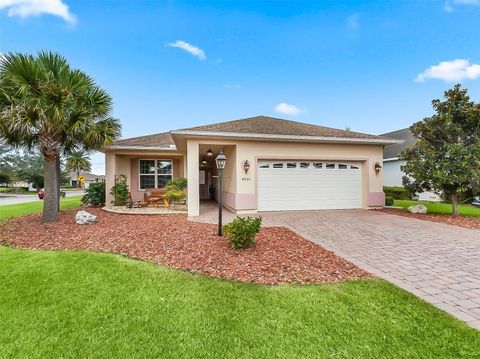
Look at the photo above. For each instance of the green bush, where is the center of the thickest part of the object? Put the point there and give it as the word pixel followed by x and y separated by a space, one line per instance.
pixel 389 201
pixel 120 191
pixel 179 183
pixel 175 189
pixel 397 193
pixel 174 195
pixel 95 194
pixel 242 231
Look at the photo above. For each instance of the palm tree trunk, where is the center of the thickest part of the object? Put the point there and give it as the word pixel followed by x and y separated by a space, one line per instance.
pixel 78 179
pixel 50 201
pixel 59 180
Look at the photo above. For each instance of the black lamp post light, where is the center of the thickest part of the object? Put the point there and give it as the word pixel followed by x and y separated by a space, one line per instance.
pixel 221 161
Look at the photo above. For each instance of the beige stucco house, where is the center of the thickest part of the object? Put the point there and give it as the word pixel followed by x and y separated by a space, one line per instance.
pixel 273 165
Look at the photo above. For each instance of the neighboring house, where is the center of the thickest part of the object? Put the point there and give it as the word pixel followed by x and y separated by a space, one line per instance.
pixel 292 165
pixel 393 174
pixel 89 178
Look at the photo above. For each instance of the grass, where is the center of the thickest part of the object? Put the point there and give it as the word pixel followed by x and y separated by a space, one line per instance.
pixel 21 209
pixel 442 208
pixel 80 304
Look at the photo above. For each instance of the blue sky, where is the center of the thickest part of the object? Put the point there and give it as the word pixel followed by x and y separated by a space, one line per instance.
pixel 373 66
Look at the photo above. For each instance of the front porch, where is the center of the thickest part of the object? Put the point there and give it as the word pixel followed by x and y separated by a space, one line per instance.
pixel 143 170
pixel 202 175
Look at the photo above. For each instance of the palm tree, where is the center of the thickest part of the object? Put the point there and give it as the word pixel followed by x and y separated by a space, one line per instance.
pixel 47 105
pixel 78 161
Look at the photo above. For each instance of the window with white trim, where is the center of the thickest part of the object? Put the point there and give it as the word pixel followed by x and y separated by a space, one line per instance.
pixel 155 173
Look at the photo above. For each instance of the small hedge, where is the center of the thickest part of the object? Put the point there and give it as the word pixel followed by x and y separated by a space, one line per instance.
pixel 389 201
pixel 242 231
pixel 397 193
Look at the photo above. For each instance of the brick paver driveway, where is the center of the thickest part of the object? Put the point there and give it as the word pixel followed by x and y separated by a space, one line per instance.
pixel 437 262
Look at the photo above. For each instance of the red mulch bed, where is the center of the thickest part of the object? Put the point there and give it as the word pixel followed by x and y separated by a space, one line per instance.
pixel 461 221
pixel 279 256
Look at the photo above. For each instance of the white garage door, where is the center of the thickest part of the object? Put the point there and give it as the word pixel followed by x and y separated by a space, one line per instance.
pixel 308 185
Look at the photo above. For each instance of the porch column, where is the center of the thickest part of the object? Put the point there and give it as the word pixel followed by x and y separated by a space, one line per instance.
pixel 110 172
pixel 193 191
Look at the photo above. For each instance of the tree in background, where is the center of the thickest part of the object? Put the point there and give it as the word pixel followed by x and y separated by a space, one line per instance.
pixel 446 157
pixel 6 167
pixel 78 161
pixel 30 168
pixel 47 105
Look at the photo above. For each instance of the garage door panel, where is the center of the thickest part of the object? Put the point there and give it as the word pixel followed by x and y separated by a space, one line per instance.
pixel 308 188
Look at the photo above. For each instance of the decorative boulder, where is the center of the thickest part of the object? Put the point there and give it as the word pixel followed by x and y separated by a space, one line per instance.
pixel 418 208
pixel 83 217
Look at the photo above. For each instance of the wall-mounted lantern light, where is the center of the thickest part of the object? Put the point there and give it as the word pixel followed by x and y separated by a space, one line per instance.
pixel 246 166
pixel 378 167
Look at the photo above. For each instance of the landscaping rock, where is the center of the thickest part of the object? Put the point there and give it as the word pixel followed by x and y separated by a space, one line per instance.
pixel 83 217
pixel 418 209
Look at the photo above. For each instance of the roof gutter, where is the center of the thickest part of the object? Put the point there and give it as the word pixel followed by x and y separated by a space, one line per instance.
pixel 390 159
pixel 262 136
pixel 142 148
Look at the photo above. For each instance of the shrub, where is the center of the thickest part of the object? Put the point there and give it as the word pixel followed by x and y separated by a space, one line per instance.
pixel 242 231
pixel 397 193
pixel 177 183
pixel 120 191
pixel 175 189
pixel 174 195
pixel 389 201
pixel 95 194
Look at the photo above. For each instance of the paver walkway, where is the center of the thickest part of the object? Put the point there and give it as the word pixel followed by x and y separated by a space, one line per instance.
pixel 437 262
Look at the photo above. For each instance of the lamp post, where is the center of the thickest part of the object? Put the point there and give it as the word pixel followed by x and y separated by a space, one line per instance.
pixel 221 161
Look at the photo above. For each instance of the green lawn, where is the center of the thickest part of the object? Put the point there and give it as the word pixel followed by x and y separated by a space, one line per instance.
pixel 79 304
pixel 442 208
pixel 21 209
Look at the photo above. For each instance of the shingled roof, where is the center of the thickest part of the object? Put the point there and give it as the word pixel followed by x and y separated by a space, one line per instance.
pixel 277 126
pixel 259 125
pixel 393 151
pixel 163 139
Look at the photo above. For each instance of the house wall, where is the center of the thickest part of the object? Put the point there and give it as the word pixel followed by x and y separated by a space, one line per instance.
pixel 392 174
pixel 240 189
pixel 366 155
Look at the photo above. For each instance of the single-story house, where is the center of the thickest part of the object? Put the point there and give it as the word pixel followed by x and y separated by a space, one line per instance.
pixel 392 173
pixel 89 178
pixel 273 165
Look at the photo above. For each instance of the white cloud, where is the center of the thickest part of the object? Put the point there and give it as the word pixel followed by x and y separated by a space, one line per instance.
pixel 288 109
pixel 233 86
pixel 353 21
pixel 449 71
pixel 194 50
pixel 449 5
pixel 467 2
pixel 26 8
